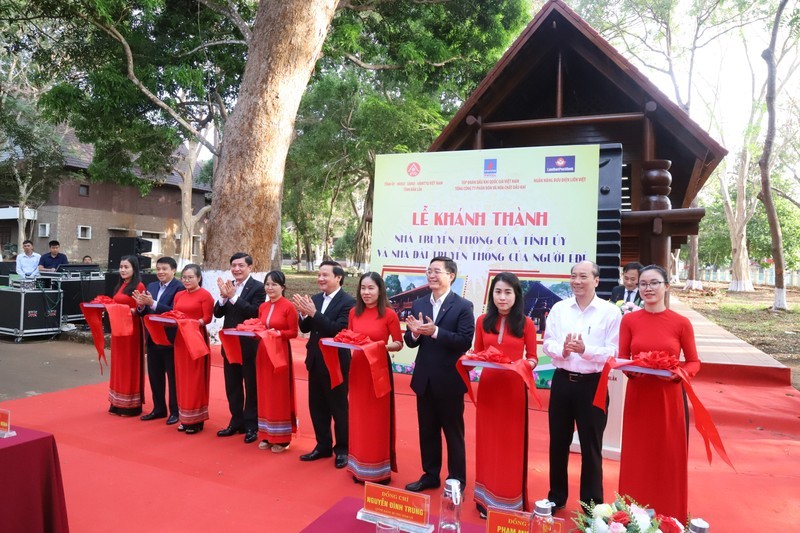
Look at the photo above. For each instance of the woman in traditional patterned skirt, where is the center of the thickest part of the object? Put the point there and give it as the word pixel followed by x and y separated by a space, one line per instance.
pixel 277 408
pixel 655 421
pixel 192 376
pixel 126 383
pixel 501 457
pixel 371 453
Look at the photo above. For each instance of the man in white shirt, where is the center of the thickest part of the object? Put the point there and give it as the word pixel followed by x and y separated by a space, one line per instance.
pixel 28 261
pixel 582 333
pixel 239 300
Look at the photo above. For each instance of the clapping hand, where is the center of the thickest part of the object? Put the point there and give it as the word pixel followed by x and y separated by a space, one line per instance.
pixel 573 344
pixel 226 288
pixel 418 327
pixel 304 305
pixel 143 299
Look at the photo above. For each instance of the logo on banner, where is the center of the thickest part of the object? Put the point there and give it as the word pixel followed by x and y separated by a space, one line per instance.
pixel 33 314
pixel 413 169
pixel 490 167
pixel 561 163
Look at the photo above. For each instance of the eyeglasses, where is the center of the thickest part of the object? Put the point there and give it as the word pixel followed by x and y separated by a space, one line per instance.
pixel 653 284
pixel 188 278
pixel 435 271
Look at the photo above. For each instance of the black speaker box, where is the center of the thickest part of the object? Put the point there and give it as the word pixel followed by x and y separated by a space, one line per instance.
pixel 119 247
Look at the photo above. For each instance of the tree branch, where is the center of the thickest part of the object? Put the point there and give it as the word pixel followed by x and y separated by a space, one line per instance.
pixel 785 196
pixel 372 5
pixel 213 43
pixel 234 16
pixel 385 66
pixel 117 36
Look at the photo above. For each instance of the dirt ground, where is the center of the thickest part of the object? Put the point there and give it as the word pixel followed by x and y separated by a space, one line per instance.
pixel 749 316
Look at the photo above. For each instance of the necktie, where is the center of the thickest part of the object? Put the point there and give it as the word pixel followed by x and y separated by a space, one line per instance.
pixel 628 296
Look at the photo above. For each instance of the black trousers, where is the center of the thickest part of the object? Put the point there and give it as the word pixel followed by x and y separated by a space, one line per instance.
pixel 571 397
pixel 161 372
pixel 437 414
pixel 325 404
pixel 240 388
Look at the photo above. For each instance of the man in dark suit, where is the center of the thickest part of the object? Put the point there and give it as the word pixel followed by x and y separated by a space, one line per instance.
pixel 239 300
pixel 441 326
pixel 629 290
pixel 158 299
pixel 324 315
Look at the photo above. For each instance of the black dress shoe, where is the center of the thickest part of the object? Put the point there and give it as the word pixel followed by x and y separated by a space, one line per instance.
pixel 151 416
pixel 173 419
pixel 250 436
pixel 229 431
pixel 341 460
pixel 422 484
pixel 315 454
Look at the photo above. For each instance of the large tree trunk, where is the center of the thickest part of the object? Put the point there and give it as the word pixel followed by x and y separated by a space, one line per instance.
pixel 246 208
pixel 765 196
pixel 188 219
pixel 364 233
pixel 740 261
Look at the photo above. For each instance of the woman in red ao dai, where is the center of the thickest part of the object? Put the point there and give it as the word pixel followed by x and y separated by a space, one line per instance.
pixel 277 408
pixel 502 411
pixel 653 464
pixel 371 454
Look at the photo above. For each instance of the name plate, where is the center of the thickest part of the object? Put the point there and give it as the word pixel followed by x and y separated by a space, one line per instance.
pixel 505 521
pixel 411 509
pixel 5 424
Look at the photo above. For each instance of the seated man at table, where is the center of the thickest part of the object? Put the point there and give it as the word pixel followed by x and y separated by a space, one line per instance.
pixel 28 261
pixel 50 262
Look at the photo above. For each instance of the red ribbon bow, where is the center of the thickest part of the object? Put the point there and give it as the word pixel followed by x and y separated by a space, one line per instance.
pixel 665 361
pixel 119 317
pixel 493 355
pixel 375 353
pixel 189 339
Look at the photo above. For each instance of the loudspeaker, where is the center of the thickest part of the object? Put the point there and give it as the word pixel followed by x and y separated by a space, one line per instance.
pixel 119 247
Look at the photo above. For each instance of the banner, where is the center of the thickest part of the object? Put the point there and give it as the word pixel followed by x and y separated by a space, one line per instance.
pixel 531 211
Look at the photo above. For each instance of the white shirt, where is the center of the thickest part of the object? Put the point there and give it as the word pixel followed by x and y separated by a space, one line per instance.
pixel 630 296
pixel 326 299
pixel 436 304
pixel 598 325
pixel 161 288
pixel 239 287
pixel 28 265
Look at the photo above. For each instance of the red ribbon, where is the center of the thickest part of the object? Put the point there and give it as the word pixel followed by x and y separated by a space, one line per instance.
pixel 270 343
pixel 119 317
pixel 493 355
pixel 664 361
pixel 374 351
pixel 189 339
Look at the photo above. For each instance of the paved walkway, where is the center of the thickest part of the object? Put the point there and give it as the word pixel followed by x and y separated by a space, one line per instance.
pixel 718 346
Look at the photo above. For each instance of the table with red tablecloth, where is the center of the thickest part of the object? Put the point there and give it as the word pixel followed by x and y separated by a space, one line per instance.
pixel 31 489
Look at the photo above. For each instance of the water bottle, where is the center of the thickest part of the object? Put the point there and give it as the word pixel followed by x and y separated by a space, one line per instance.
pixel 542 519
pixel 450 509
pixel 698 525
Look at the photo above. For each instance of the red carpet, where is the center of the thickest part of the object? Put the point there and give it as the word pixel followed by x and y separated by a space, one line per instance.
pixel 122 474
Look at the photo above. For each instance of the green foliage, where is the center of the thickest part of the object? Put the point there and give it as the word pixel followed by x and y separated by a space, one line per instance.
pixel 132 135
pixel 393 285
pixel 287 242
pixel 345 245
pixel 715 243
pixel 759 241
pixel 30 158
